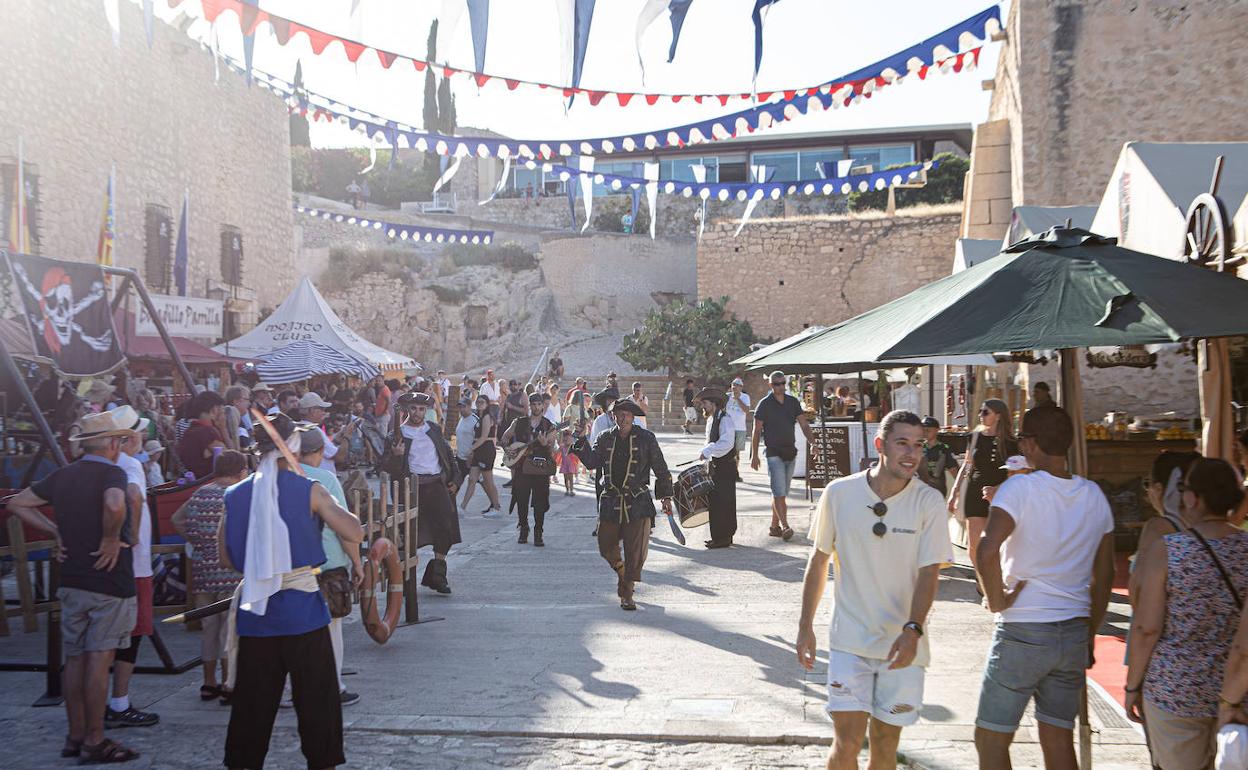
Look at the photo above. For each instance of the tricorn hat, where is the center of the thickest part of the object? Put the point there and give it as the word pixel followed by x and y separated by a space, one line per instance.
pixel 629 405
pixel 604 397
pixel 712 394
pixel 415 399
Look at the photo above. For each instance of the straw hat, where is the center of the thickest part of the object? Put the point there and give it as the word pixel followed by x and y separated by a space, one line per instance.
pixel 98 392
pixel 105 425
pixel 153 447
pixel 126 415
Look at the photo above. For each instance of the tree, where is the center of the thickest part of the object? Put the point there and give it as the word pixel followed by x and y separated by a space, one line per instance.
pixel 944 185
pixel 691 339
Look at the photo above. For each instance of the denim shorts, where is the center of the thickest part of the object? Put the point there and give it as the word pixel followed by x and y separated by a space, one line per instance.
pixel 1044 660
pixel 781 475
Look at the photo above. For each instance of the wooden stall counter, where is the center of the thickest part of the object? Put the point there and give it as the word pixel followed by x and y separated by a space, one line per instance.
pixel 1122 469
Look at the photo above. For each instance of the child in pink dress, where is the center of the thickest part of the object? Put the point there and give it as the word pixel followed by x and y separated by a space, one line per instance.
pixel 568 463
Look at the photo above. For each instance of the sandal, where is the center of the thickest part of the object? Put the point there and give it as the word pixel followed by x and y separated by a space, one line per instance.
pixel 106 752
pixel 72 748
pixel 628 604
pixel 787 534
pixel 226 696
pixel 209 692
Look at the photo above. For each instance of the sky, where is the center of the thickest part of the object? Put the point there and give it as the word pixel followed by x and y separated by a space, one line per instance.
pixel 805 42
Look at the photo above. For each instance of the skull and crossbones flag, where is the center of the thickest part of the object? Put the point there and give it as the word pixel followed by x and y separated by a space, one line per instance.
pixel 66 309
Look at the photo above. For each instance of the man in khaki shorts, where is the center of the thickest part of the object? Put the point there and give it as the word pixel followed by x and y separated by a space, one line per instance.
pixel 97 593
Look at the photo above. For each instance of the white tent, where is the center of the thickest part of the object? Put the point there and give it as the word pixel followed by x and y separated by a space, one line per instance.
pixel 305 315
pixel 1145 204
pixel 969 252
pixel 1032 220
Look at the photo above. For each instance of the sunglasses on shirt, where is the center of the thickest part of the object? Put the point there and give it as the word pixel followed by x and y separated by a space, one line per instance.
pixel 879 509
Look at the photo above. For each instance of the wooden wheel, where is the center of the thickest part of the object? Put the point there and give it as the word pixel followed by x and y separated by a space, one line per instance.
pixel 1208 240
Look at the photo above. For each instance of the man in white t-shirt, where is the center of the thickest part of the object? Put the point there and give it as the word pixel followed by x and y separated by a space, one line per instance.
pixel 1046 564
pixel 738 407
pixel 890 536
pixel 444 384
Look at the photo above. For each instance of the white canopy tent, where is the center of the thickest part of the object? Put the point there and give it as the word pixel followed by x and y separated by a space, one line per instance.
pixel 305 315
pixel 1026 221
pixel 1145 203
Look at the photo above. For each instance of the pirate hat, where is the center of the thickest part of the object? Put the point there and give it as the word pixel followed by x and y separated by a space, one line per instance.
pixel 104 425
pixel 409 400
pixel 603 398
pixel 629 405
pixel 712 394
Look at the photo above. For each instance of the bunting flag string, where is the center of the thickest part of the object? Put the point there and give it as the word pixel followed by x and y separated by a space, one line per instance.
pixel 921 59
pixel 404 232
pixel 914 59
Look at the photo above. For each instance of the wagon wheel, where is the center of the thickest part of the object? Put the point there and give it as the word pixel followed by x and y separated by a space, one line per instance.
pixel 1207 241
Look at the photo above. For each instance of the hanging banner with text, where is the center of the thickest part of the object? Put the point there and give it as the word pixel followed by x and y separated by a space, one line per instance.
pixel 182 317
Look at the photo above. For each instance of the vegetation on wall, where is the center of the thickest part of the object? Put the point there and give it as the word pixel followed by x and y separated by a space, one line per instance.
pixel 507 255
pixel 944 185
pixel 348 264
pixel 690 339
pixel 609 209
pixel 327 173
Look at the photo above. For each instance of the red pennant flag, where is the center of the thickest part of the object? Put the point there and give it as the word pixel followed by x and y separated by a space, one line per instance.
pixel 596 96
pixel 723 100
pixel 624 99
pixel 698 98
pixel 448 71
pixel 352 49
pixel 511 84
pixel 652 98
pixel 419 65
pixel 281 29
pixel 213 8
pixel 762 96
pixel 481 79
pixel 567 92
pixel 317 39
pixel 676 98
pixel 923 72
pixel 975 56
pixel 788 95
pixel 812 91
pixel 386 58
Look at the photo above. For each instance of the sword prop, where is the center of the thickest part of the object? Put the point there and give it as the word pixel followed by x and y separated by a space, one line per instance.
pixel 199 612
pixel 680 536
pixel 287 455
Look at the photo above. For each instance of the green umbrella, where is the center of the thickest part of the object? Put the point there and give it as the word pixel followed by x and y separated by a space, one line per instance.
pixel 1065 288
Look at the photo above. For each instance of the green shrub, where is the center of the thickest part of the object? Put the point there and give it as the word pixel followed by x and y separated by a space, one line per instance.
pixel 944 185
pixel 347 265
pixel 508 255
pixel 609 209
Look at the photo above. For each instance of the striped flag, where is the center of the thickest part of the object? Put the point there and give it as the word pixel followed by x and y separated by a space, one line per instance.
pixel 104 249
pixel 19 217
pixel 180 255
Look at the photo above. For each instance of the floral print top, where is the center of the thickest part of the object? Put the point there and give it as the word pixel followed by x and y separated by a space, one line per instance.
pixel 204 512
pixel 1185 673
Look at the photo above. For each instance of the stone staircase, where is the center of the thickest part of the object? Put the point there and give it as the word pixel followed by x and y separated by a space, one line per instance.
pixel 654 386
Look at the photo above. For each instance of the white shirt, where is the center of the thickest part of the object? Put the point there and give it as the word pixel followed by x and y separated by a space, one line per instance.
pixel 552 413
pixel 601 424
pixel 465 435
pixel 423 459
pixel 331 451
pixel 721 446
pixel 735 411
pixel 141 551
pixel 1058 526
pixel 154 475
pixel 875 576
pixel 490 391
pixel 445 386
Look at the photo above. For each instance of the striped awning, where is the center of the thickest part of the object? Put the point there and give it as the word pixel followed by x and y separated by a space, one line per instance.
pixel 309 358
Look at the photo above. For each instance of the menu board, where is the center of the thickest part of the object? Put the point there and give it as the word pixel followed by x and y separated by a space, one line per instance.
pixel 827 457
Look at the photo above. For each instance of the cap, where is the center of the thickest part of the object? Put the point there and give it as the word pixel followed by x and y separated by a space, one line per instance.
pixel 931 422
pixel 312 440
pixel 1016 463
pixel 311 400
pixel 738 381
pixel 604 397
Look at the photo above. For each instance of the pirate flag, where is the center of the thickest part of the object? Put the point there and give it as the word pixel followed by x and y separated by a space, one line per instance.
pixel 67 312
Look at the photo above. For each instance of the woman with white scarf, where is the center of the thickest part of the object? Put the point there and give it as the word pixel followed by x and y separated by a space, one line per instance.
pixel 279 622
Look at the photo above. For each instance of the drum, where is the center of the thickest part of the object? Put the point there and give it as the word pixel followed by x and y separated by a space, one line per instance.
pixel 692 496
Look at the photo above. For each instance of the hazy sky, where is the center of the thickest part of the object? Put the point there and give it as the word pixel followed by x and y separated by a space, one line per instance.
pixel 806 42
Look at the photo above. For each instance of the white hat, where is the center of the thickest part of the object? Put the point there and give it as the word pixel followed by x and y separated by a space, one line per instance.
pixel 153 447
pixel 1016 463
pixel 106 425
pixel 738 381
pixel 128 417
pixel 311 399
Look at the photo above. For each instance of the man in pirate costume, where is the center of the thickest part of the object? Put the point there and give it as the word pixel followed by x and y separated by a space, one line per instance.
pixel 279 621
pixel 627 455
pixel 420 452
pixel 538 433
pixel 603 399
pixel 721 452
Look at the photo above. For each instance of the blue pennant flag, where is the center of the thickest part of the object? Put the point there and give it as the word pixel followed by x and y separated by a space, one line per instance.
pixel 582 17
pixel 180 257
pixel 678 10
pixel 479 18
pixel 757 16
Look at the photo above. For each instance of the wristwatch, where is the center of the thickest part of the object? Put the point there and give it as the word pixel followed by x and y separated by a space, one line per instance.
pixel 915 627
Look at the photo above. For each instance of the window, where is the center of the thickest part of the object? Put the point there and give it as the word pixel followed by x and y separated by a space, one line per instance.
pixel 732 168
pixel 231 255
pixel 621 168
pixel 681 169
pixel 780 166
pixel 812 158
pixel 881 156
pixel 158 247
pixel 526 181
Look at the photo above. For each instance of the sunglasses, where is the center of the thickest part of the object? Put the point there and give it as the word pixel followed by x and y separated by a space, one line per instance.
pixel 880 529
pixel 1022 435
pixel 983 412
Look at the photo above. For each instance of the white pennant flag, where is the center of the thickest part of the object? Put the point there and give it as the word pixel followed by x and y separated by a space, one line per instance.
pixel 446 175
pixel 760 176
pixel 699 176
pixel 216 57
pixel 586 164
pixel 502 181
pixel 372 156
pixel 651 172
pixel 649 12
pixel 112 13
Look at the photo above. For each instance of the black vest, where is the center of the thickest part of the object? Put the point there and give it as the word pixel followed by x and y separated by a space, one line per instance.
pixel 716 420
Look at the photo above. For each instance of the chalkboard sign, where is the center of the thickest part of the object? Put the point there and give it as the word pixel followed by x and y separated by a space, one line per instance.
pixel 827 457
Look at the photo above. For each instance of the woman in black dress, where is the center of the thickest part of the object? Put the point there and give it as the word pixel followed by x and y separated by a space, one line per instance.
pixel 992 444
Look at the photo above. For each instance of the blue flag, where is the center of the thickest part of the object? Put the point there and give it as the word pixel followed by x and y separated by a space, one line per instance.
pixel 180 252
pixel 757 16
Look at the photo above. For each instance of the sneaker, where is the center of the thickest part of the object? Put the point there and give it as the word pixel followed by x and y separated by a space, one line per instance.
pixel 349 698
pixel 131 717
pixel 492 513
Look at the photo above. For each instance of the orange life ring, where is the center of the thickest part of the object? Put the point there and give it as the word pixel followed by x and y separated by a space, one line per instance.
pixel 382 551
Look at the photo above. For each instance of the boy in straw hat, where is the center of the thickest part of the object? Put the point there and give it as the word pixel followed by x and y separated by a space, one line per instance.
pixel 97 593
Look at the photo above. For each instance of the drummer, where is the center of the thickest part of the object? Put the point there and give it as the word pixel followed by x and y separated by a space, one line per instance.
pixel 721 453
pixel 627 455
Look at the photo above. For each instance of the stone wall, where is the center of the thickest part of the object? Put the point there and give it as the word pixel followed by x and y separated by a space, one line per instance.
pixel 608 282
pixel 1076 80
pixel 784 275
pixel 81 105
pixel 987 206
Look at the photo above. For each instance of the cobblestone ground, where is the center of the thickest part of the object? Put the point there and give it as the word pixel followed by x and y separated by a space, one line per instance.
pixel 199 748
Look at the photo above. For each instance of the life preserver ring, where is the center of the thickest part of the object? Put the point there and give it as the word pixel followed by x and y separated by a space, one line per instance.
pixel 382 551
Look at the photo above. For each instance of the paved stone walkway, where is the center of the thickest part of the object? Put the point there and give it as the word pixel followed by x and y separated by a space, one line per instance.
pixel 535 665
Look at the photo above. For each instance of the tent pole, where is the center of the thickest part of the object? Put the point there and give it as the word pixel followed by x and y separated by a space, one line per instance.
pixel 862 414
pixel 159 324
pixel 823 444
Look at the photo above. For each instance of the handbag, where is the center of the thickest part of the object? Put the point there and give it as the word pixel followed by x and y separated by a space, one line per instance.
pixel 336 588
pixel 960 510
pixel 538 465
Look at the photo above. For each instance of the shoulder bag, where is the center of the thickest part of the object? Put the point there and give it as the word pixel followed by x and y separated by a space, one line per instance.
pixel 1226 578
pixel 964 474
pixel 336 588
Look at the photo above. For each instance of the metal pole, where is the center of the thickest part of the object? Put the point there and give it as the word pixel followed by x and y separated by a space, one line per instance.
pixel 160 326
pixel 52 679
pixel 862 413
pixel 411 598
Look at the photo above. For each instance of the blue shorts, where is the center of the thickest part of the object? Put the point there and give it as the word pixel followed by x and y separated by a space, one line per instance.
pixel 1044 660
pixel 781 475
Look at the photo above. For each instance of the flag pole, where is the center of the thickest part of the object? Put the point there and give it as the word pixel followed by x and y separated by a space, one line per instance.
pixel 20 238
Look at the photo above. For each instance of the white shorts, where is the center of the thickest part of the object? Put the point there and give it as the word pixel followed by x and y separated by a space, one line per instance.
pixel 691 414
pixel 855 683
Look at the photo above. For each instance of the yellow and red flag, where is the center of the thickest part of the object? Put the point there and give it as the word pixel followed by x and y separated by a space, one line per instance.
pixel 19 218
pixel 104 251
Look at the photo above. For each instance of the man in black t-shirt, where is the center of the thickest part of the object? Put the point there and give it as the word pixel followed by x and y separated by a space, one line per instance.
pixel 97 594
pixel 691 414
pixel 775 420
